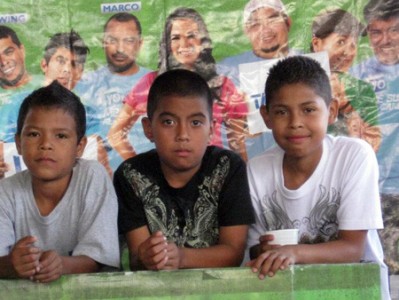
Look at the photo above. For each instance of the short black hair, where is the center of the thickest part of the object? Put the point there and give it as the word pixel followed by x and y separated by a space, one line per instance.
pixel 298 69
pixel 6 32
pixel 123 17
pixel 381 10
pixel 178 82
pixel 69 40
pixel 54 96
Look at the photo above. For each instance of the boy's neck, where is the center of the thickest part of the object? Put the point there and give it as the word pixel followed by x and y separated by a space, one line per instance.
pixel 49 193
pixel 296 171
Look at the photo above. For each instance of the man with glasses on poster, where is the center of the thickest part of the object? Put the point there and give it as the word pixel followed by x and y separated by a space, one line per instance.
pixel 382 71
pixel 266 25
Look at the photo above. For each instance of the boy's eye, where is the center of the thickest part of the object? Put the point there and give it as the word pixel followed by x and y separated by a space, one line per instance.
pixel 280 112
pixel 62 136
pixel 32 134
pixel 168 122
pixel 197 123
pixel 309 109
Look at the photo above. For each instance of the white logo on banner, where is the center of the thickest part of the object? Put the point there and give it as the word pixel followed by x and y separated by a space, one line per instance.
pixel 14 18
pixel 120 7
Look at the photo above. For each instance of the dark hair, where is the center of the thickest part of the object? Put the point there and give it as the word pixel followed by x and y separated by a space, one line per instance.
pixel 124 17
pixel 181 83
pixel 54 96
pixel 6 32
pixel 298 69
pixel 336 21
pixel 205 64
pixel 381 9
pixel 69 40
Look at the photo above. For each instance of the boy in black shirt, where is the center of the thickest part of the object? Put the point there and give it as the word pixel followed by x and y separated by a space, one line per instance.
pixel 184 204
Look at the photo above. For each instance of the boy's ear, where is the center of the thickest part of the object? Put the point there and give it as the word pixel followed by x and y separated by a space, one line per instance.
pixel 18 143
pixel 333 111
pixel 81 146
pixel 265 116
pixel 146 123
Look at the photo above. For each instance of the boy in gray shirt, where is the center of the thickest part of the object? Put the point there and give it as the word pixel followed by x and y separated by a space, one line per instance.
pixel 59 216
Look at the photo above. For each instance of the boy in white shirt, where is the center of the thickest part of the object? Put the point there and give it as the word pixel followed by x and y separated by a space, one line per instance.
pixel 325 186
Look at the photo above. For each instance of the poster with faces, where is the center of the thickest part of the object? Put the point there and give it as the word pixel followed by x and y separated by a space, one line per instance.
pixel 252 82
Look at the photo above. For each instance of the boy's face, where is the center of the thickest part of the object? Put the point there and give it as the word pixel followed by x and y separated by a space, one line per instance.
pixel 299 118
pixel 384 39
pixel 341 50
pixel 48 144
pixel 64 67
pixel 181 130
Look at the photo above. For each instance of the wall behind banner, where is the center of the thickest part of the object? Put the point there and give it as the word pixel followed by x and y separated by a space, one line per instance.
pixel 36 21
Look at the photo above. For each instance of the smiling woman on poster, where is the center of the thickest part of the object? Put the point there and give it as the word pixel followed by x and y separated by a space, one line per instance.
pixel 186 44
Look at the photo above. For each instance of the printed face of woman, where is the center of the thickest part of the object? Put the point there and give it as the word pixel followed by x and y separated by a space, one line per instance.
pixel 185 41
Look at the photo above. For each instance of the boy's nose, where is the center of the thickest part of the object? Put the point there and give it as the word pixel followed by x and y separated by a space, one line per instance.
pixel 45 143
pixel 295 121
pixel 182 133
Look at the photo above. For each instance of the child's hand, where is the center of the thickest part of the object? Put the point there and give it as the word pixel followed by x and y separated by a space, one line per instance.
pixel 174 257
pixel 25 257
pixel 269 262
pixel 153 251
pixel 51 267
pixel 264 243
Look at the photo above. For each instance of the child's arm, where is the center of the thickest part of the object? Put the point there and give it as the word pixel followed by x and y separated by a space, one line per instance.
pixel 155 253
pixel 52 266
pixel 347 248
pixel 228 252
pixel 23 260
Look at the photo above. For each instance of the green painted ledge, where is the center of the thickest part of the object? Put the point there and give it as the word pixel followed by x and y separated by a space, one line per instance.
pixel 332 281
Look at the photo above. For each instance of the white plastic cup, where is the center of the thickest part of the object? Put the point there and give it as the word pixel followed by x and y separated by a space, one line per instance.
pixel 284 237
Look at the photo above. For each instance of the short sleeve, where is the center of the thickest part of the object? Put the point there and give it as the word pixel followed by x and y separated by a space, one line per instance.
pixel 131 213
pixel 98 234
pixel 7 220
pixel 235 202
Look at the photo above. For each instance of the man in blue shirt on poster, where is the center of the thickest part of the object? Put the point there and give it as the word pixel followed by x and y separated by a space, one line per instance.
pixel 106 87
pixel 382 71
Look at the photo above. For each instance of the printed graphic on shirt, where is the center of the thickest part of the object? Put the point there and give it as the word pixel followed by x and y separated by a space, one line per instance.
pixel 318 226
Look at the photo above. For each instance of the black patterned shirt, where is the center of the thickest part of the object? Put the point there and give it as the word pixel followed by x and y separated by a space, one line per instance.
pixel 217 195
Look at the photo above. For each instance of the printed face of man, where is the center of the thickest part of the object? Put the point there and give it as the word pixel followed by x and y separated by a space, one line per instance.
pixel 384 39
pixel 64 67
pixel 122 43
pixel 267 30
pixel 12 64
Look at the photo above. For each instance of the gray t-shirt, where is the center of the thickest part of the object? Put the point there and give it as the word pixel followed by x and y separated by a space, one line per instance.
pixel 83 223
